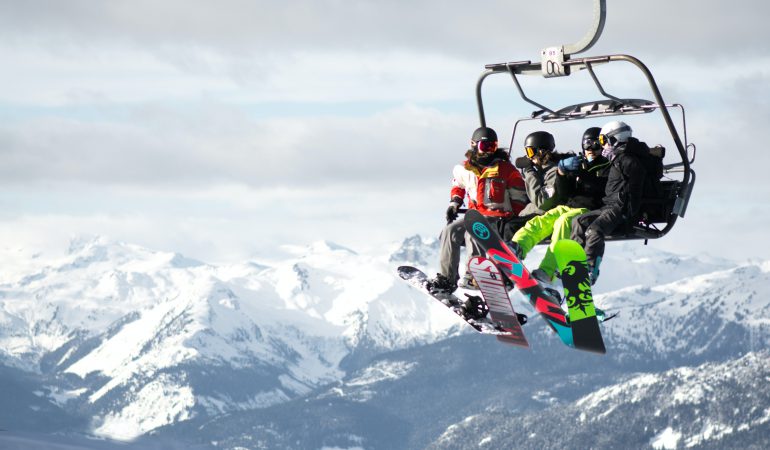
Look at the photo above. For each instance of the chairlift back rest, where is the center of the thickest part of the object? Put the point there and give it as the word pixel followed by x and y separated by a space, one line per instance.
pixel 659 208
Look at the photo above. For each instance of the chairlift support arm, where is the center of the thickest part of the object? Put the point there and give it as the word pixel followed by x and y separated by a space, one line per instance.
pixel 594 32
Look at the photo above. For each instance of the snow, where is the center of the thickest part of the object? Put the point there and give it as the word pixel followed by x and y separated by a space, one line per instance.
pixel 60 397
pixel 172 402
pixel 226 404
pixel 637 386
pixel 732 293
pixel 147 314
pixel 382 370
pixel 711 430
pixel 666 439
pixel 360 387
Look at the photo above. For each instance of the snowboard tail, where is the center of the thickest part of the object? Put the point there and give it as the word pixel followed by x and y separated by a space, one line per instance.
pixel 571 262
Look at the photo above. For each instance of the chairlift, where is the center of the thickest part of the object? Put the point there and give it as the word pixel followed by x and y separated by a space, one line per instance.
pixel 560 62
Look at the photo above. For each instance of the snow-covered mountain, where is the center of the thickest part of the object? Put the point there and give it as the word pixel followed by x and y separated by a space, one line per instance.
pixel 142 338
pixel 128 340
pixel 714 405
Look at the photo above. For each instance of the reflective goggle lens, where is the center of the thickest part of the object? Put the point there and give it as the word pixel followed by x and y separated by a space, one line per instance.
pixel 603 140
pixel 530 151
pixel 486 146
pixel 591 144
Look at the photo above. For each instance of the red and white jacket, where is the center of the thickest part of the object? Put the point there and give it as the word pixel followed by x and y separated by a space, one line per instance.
pixel 497 190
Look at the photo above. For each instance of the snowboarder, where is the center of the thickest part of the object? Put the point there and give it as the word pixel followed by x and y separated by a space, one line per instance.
pixel 623 193
pixel 493 187
pixel 582 180
pixel 540 173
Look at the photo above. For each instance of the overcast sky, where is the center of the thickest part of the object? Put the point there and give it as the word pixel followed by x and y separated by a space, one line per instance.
pixel 225 129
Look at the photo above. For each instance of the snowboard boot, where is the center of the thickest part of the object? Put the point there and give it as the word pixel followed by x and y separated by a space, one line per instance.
pixel 441 285
pixel 468 282
pixel 600 314
pixel 593 269
pixel 546 283
pixel 541 276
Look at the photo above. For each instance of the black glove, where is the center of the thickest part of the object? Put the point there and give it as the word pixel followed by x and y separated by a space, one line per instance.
pixel 522 162
pixel 451 212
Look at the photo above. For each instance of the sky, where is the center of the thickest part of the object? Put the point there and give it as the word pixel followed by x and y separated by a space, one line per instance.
pixel 227 130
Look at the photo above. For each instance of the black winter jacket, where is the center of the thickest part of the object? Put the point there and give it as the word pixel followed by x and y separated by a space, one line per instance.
pixel 585 188
pixel 625 181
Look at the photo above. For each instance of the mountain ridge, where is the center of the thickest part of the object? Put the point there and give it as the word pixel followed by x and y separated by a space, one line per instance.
pixel 134 340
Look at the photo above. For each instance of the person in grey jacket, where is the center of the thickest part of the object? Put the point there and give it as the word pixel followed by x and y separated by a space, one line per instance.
pixel 544 186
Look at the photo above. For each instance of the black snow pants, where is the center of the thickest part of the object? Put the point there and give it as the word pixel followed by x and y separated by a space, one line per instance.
pixel 590 229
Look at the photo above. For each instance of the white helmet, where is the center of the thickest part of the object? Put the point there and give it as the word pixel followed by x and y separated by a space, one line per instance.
pixel 615 132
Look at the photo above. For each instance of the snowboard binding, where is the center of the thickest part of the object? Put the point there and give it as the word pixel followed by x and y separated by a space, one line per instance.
pixel 474 307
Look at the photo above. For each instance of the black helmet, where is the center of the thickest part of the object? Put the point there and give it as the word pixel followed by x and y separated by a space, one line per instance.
pixel 591 139
pixel 484 134
pixel 537 141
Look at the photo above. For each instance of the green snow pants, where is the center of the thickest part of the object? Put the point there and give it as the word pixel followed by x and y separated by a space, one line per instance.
pixel 556 223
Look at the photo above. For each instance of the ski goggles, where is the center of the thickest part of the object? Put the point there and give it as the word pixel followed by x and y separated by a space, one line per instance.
pixel 532 151
pixel 486 146
pixel 605 140
pixel 590 144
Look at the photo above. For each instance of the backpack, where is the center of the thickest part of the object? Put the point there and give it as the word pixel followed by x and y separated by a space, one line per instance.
pixel 653 207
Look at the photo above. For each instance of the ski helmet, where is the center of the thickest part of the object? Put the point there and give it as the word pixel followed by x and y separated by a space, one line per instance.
pixel 484 134
pixel 614 132
pixel 484 139
pixel 591 139
pixel 539 140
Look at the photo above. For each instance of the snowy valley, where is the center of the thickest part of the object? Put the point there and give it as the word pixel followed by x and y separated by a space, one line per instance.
pixel 329 348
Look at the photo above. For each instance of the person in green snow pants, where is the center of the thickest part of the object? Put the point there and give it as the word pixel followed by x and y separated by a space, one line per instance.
pixel 583 178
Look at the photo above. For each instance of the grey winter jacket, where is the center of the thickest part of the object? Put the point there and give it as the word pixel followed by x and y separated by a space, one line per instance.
pixel 542 189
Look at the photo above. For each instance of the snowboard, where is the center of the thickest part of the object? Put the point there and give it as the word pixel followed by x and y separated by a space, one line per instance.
pixel 418 279
pixel 491 283
pixel 546 304
pixel 571 263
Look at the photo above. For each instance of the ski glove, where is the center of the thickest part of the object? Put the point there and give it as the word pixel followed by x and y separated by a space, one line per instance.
pixel 451 212
pixel 523 162
pixel 571 164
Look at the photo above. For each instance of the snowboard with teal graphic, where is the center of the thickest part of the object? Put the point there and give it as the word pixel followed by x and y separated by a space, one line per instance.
pixel 571 263
pixel 543 301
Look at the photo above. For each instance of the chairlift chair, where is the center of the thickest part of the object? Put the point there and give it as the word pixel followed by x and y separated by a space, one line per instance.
pixel 559 62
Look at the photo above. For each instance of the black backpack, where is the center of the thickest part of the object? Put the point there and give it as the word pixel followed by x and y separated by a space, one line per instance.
pixel 653 207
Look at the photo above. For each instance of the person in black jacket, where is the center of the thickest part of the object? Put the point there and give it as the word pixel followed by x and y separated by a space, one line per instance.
pixel 623 193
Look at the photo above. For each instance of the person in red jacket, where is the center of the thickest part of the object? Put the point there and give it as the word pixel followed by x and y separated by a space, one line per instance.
pixel 493 186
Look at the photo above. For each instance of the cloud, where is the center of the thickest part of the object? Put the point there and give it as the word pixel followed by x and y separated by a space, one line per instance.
pixel 479 30
pixel 223 223
pixel 193 115
pixel 215 144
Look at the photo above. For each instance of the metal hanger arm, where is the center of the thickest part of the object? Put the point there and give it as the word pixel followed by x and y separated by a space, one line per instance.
pixel 593 34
